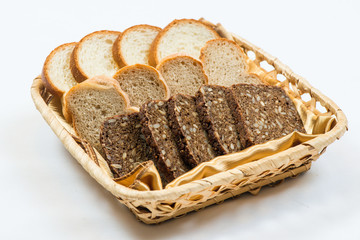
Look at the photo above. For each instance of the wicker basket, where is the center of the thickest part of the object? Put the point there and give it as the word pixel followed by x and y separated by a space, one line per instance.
pixel 157 206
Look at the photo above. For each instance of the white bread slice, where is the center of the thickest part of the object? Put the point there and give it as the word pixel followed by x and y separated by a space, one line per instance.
pixel 93 56
pixel 89 103
pixel 183 74
pixel 56 74
pixel 142 83
pixel 224 62
pixel 186 36
pixel 133 45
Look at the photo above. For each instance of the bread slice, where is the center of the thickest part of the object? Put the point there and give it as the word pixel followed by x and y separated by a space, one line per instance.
pixel 56 74
pixel 224 62
pixel 186 36
pixel 124 144
pixel 263 113
pixel 155 126
pixel 133 45
pixel 183 74
pixel 93 56
pixel 142 83
pixel 185 123
pixel 89 103
pixel 216 118
pixel 251 78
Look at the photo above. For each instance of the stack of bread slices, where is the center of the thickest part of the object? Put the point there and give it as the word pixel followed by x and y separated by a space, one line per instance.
pixel 178 96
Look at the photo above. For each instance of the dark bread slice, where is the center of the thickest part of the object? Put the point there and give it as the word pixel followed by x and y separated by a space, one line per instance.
pixel 155 127
pixel 216 117
pixel 124 144
pixel 185 123
pixel 263 113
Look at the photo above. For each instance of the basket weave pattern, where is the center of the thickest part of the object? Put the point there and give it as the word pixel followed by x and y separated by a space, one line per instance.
pixel 157 206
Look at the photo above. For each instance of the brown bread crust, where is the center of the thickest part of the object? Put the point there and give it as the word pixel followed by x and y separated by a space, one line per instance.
pixel 118 56
pixel 153 58
pixel 45 74
pixel 76 70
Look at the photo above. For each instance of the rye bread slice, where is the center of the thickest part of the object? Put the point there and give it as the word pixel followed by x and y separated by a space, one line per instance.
pixel 263 113
pixel 216 118
pixel 185 123
pixel 124 144
pixel 155 127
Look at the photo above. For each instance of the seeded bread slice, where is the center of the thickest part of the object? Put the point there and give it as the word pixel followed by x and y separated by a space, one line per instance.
pixel 133 45
pixel 93 56
pixel 124 144
pixel 142 83
pixel 185 123
pixel 89 103
pixel 183 74
pixel 225 63
pixel 263 113
pixel 216 118
pixel 56 74
pixel 155 127
pixel 186 36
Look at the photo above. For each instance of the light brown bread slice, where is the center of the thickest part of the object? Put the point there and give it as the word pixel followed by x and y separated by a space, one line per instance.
pixel 186 36
pixel 183 74
pixel 224 62
pixel 56 74
pixel 93 56
pixel 142 83
pixel 89 103
pixel 133 45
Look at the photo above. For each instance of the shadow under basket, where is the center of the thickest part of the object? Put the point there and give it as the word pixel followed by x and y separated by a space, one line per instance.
pixel 159 205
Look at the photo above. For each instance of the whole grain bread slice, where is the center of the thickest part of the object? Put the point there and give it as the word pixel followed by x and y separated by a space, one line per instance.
pixel 216 118
pixel 142 83
pixel 156 129
pixel 186 36
pixel 192 139
pixel 263 113
pixel 133 45
pixel 183 74
pixel 89 103
pixel 56 73
pixel 225 63
pixel 93 56
pixel 124 144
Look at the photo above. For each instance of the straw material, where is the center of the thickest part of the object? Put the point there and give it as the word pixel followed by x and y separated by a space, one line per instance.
pixel 247 176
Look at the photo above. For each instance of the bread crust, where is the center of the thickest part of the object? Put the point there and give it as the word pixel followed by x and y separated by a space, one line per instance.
pixel 76 70
pixel 160 78
pixel 95 82
pixel 45 77
pixel 153 55
pixel 202 54
pixel 117 53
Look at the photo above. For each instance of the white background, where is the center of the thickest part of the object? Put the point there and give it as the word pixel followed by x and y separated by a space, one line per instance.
pixel 45 194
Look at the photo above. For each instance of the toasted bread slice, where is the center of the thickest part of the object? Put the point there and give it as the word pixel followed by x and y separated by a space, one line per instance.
pixel 89 103
pixel 133 45
pixel 56 74
pixel 182 73
pixel 186 36
pixel 93 56
pixel 224 62
pixel 142 83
